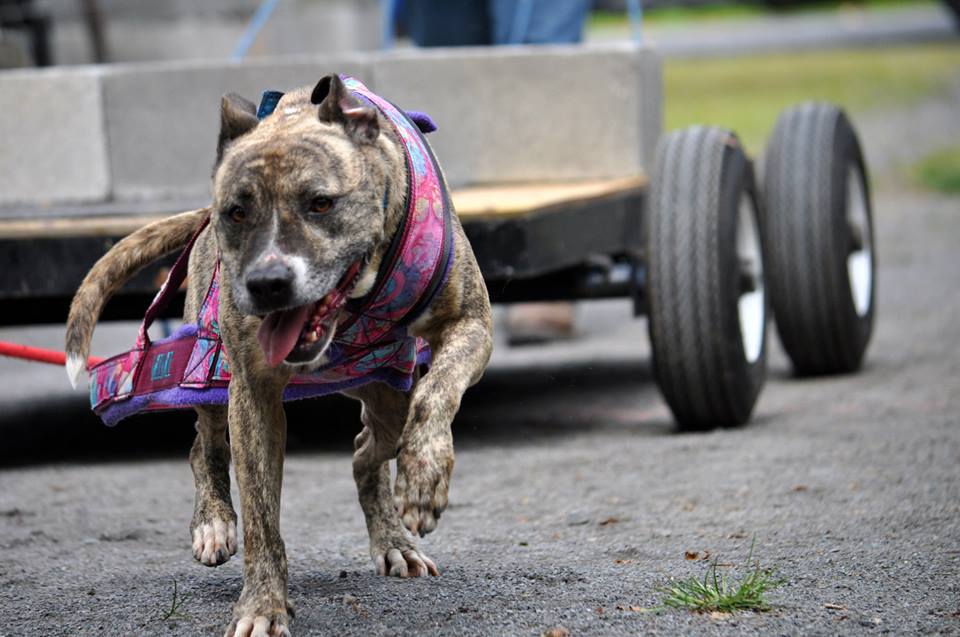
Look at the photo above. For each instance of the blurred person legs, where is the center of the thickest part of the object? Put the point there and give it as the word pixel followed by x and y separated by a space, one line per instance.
pixel 482 22
pixel 538 21
pixel 535 323
pixel 477 22
pixel 447 23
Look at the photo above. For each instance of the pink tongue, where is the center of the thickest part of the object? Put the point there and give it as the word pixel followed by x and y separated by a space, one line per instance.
pixel 280 331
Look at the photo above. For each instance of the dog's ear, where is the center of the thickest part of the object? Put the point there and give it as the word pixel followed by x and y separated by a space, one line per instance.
pixel 339 106
pixel 238 116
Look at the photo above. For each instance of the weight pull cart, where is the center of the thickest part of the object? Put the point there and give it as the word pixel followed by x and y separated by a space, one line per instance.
pixel 706 250
pixel 710 255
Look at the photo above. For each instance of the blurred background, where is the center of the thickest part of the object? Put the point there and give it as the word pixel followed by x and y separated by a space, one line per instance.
pixel 734 64
pixel 575 497
pixel 58 32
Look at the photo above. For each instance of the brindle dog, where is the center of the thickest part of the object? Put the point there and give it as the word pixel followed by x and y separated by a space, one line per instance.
pixel 298 198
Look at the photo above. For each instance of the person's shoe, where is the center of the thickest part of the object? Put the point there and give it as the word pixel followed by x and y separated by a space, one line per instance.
pixel 535 323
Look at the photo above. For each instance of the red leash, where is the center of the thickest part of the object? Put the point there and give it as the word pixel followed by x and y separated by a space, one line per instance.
pixel 39 354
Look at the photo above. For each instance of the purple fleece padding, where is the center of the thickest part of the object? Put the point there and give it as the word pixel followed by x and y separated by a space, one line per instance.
pixel 187 329
pixel 186 397
pixel 177 397
pixel 423 121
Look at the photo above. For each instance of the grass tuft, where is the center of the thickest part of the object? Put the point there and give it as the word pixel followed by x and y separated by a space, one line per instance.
pixel 716 593
pixel 175 611
pixel 940 171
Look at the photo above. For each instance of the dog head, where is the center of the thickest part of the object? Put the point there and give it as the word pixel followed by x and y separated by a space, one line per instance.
pixel 300 205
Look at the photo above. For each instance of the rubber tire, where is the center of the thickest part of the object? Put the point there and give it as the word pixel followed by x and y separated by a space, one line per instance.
pixel 697 181
pixel 807 239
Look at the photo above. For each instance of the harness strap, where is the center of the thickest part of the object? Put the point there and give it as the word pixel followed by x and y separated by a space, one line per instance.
pixel 190 367
pixel 169 288
pixel 445 259
pixel 425 188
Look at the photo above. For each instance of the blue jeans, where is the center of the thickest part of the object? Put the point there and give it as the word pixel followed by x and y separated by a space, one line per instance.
pixel 537 21
pixel 477 22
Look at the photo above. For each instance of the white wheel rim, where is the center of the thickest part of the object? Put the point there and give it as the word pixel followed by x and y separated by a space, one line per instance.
pixel 751 304
pixel 860 259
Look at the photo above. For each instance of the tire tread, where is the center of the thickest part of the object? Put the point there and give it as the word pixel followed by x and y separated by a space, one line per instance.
pixel 804 192
pixel 686 304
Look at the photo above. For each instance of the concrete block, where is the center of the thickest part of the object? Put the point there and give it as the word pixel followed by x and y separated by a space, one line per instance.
pixel 163 119
pixel 52 147
pixel 649 88
pixel 152 30
pixel 513 114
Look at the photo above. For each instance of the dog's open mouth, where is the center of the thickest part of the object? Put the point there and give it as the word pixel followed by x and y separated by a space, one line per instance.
pixel 300 334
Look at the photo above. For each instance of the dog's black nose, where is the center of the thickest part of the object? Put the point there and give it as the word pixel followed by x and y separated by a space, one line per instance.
pixel 271 285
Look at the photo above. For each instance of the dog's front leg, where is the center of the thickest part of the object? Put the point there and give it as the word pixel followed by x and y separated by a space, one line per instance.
pixel 425 459
pixel 393 550
pixel 258 432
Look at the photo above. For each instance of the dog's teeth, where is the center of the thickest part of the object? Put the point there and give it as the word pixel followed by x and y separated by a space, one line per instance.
pixel 311 337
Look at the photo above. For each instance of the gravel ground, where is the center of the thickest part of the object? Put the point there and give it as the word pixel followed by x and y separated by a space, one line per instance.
pixel 572 500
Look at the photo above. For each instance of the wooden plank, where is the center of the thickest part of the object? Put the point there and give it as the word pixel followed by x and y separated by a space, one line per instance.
pixel 477 202
pixel 118 226
pixel 496 201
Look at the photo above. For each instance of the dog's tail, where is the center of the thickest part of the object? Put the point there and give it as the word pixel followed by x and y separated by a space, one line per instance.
pixel 115 268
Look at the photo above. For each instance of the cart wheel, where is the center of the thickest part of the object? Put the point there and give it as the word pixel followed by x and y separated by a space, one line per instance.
pixel 819 239
pixel 707 306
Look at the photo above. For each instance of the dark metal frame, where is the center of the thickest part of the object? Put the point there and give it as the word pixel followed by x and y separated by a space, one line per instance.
pixel 578 250
pixel 22 15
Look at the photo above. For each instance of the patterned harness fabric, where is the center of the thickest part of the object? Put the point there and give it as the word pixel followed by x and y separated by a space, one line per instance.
pixel 372 342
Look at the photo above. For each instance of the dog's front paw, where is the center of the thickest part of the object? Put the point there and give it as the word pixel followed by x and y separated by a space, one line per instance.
pixel 400 557
pixel 214 540
pixel 258 620
pixel 423 480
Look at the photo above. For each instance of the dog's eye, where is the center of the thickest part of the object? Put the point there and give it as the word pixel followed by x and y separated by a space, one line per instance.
pixel 237 214
pixel 321 205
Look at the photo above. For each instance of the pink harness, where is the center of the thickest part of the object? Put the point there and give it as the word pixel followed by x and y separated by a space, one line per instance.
pixel 372 343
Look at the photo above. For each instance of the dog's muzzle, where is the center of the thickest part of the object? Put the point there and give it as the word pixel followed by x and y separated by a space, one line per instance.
pixel 300 334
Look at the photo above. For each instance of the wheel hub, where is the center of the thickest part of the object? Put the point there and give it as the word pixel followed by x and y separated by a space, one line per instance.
pixel 860 257
pixel 751 304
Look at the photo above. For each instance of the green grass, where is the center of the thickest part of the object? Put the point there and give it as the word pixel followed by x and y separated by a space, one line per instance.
pixel 747 93
pixel 670 15
pixel 940 171
pixel 175 610
pixel 716 593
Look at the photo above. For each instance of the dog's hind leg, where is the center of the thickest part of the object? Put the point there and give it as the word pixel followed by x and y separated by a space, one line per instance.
pixel 393 548
pixel 214 525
